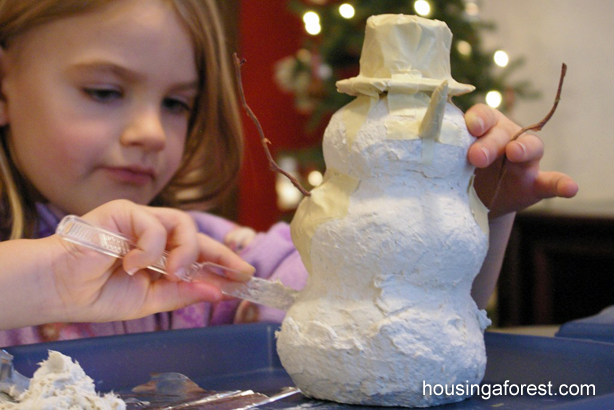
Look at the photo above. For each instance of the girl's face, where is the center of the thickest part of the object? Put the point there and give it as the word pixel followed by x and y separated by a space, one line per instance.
pixel 98 104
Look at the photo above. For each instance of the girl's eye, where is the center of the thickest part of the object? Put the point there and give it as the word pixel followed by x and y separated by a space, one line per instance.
pixel 177 106
pixel 103 94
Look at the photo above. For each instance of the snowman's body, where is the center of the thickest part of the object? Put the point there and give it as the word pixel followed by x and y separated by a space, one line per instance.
pixel 392 247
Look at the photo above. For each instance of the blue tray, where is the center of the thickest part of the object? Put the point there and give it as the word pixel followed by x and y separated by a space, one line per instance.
pixel 599 327
pixel 244 357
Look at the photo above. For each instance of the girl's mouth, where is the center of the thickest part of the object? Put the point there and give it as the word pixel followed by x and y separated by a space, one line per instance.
pixel 136 175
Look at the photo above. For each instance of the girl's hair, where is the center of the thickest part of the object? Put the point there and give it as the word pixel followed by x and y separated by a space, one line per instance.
pixel 214 144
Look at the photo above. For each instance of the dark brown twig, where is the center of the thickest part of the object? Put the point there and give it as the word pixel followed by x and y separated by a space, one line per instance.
pixel 534 127
pixel 272 164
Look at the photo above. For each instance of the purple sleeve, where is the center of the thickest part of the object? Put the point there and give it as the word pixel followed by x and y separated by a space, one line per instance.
pixel 273 255
pixel 213 226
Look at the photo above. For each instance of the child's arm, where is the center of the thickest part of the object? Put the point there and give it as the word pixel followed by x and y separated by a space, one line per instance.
pixel 524 183
pixel 51 280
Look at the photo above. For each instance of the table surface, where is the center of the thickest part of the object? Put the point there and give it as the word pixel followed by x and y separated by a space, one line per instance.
pixel 537 330
pixel 244 357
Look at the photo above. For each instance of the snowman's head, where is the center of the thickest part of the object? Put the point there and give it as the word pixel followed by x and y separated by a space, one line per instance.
pixel 385 136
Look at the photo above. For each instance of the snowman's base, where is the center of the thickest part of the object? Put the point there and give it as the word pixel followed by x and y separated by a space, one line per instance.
pixel 408 361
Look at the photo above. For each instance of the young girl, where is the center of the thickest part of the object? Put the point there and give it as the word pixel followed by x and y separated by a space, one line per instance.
pixel 103 100
pixel 108 106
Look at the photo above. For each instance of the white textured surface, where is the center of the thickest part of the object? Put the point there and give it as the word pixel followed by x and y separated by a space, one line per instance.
pixel 60 383
pixel 387 305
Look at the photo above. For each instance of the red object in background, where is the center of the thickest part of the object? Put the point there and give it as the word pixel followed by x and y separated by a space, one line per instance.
pixel 268 32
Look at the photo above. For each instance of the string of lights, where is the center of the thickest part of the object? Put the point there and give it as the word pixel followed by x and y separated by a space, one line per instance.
pixel 334 31
pixel 494 98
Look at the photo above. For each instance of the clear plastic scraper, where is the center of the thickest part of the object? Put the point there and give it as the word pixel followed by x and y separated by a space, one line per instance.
pixel 257 290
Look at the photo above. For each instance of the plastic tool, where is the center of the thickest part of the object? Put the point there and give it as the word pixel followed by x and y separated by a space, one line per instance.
pixel 257 290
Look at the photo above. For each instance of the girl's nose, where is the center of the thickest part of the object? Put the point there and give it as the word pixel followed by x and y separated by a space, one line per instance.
pixel 145 130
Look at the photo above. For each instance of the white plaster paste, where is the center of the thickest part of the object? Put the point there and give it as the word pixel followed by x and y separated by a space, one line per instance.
pixel 60 383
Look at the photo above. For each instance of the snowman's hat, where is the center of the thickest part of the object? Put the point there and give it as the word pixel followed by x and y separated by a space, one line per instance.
pixel 403 54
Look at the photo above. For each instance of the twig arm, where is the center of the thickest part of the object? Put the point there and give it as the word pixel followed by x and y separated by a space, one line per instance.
pixel 265 142
pixel 535 127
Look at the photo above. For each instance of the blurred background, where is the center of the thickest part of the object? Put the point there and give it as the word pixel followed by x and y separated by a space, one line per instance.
pixel 560 261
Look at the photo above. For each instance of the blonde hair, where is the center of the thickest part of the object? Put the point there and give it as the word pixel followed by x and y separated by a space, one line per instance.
pixel 214 144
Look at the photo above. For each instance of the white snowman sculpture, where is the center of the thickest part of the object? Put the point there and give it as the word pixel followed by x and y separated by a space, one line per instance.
pixel 394 236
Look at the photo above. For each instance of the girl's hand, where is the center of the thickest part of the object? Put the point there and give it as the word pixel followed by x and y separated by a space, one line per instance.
pixel 524 184
pixel 239 238
pixel 89 286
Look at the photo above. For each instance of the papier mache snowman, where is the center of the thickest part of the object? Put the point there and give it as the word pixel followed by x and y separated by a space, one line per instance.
pixel 394 236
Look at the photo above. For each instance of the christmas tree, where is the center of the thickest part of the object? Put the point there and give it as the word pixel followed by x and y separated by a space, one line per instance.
pixel 334 32
pixel 333 42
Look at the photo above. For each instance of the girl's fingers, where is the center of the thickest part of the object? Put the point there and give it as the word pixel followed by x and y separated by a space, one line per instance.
pixel 494 132
pixel 167 296
pixel 239 238
pixel 213 251
pixel 527 148
pixel 150 237
pixel 479 119
pixel 158 229
pixel 154 230
pixel 187 246
pixel 181 240
pixel 134 221
pixel 555 184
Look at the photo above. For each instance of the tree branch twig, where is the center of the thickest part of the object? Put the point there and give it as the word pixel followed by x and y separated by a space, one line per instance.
pixel 535 127
pixel 272 164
